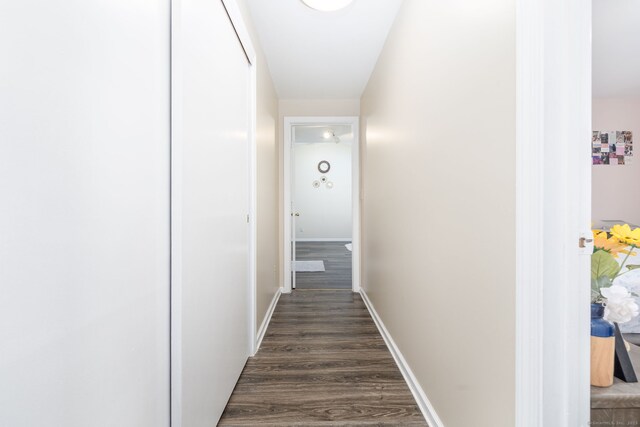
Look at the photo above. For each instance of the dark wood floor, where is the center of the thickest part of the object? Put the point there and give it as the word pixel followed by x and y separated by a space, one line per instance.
pixel 337 264
pixel 322 362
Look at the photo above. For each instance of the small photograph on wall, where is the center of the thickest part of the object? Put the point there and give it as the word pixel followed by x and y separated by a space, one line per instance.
pixel 595 140
pixel 628 144
pixel 611 148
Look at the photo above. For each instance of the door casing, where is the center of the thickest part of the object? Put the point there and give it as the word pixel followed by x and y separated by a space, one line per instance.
pixel 553 210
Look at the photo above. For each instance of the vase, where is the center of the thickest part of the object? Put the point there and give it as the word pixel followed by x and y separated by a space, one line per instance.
pixel 602 348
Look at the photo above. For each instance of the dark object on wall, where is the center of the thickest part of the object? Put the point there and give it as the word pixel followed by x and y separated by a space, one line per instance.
pixel 324 166
pixel 623 368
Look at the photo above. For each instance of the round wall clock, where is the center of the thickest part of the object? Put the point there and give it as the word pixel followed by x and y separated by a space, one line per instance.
pixel 324 166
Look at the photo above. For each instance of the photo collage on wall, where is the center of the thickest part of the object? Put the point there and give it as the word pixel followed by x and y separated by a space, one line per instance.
pixel 612 148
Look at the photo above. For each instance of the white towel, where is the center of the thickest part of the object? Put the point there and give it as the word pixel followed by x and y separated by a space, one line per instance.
pixel 309 266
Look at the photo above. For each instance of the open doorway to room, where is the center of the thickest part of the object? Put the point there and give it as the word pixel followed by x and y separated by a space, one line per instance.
pixel 615 400
pixel 322 198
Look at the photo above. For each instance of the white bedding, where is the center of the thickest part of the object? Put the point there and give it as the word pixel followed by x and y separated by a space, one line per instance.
pixel 631 281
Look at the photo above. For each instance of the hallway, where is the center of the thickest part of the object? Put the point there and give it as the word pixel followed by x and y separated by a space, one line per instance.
pixel 322 362
pixel 150 157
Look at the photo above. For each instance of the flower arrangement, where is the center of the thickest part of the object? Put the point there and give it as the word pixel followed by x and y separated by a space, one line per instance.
pixel 619 303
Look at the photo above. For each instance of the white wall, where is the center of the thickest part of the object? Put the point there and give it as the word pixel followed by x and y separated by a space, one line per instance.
pixel 438 120
pixel 614 188
pixel 84 217
pixel 319 107
pixel 325 213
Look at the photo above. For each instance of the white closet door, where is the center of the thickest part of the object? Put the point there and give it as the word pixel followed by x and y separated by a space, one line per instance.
pixel 213 197
pixel 84 213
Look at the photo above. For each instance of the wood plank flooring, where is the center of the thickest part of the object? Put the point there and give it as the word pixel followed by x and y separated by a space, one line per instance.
pixel 337 264
pixel 322 362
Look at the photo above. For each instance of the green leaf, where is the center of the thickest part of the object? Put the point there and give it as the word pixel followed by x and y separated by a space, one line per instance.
pixel 633 266
pixel 597 285
pixel 603 264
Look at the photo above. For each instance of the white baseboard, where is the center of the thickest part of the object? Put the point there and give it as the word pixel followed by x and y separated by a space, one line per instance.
pixel 323 239
pixel 267 318
pixel 425 406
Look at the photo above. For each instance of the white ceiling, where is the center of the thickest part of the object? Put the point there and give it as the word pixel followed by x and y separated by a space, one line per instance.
pixel 320 55
pixel 616 48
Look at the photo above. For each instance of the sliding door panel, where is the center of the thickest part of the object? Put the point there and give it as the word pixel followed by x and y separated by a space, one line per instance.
pixel 84 213
pixel 213 193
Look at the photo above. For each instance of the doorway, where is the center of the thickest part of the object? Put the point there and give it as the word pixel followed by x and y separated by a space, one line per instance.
pixel 321 198
pixel 615 108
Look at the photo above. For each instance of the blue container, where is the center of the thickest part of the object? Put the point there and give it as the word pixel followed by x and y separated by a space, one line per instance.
pixel 599 326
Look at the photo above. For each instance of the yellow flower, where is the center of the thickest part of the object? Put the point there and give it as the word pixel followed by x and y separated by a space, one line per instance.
pixel 608 244
pixel 624 234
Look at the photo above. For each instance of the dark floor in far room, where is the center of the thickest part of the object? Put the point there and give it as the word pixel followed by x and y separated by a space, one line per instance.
pixel 337 263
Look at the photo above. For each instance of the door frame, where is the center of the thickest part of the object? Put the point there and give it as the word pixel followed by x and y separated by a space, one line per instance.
pixel 289 122
pixel 235 16
pixel 553 209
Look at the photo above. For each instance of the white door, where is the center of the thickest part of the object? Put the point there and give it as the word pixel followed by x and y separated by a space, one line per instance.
pixel 84 219
pixel 211 203
pixel 294 212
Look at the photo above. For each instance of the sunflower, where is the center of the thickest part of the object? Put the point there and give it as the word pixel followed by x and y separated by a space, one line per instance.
pixel 624 234
pixel 601 241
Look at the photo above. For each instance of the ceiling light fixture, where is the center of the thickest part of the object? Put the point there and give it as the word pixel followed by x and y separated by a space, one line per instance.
pixel 328 134
pixel 327 5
